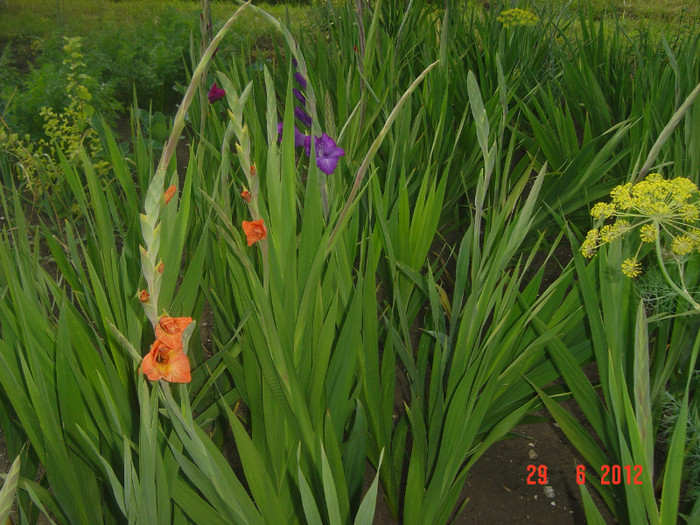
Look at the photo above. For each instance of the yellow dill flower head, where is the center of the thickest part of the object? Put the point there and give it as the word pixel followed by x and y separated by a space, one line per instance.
pixel 663 210
pixel 603 210
pixel 606 233
pixel 589 246
pixel 682 189
pixel 690 212
pixel 621 226
pixel 610 231
pixel 648 233
pixel 631 268
pixel 622 196
pixel 663 199
pixel 517 17
pixel 656 208
pixel 683 245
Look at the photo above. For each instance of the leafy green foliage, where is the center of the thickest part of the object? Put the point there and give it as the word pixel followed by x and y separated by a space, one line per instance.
pixel 351 333
pixel 68 133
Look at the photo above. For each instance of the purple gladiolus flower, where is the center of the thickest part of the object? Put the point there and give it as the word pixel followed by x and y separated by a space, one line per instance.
pixel 300 97
pixel 294 61
pixel 299 137
pixel 301 80
pixel 303 116
pixel 327 153
pixel 215 93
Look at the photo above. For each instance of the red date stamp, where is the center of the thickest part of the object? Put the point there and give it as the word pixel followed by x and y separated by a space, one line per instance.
pixel 609 475
pixel 537 475
pixel 613 474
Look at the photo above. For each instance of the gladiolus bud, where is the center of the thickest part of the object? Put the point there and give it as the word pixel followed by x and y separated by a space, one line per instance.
pixel 169 193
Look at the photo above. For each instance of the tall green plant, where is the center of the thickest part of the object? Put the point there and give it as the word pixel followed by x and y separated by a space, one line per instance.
pixel 625 420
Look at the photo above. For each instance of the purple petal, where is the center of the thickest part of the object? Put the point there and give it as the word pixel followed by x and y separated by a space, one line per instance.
pixel 300 97
pixel 294 61
pixel 215 93
pixel 327 165
pixel 302 116
pixel 307 145
pixel 327 154
pixel 299 138
pixel 301 80
pixel 280 130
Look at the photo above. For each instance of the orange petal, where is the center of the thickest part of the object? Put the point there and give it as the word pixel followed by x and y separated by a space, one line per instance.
pixel 254 231
pixel 163 362
pixel 245 194
pixel 148 367
pixel 169 193
pixel 179 369
pixel 169 330
pixel 144 297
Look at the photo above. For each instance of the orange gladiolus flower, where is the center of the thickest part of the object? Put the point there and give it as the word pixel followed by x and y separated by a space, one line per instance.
pixel 169 193
pixel 254 231
pixel 253 171
pixel 144 297
pixel 160 267
pixel 169 330
pixel 246 196
pixel 163 362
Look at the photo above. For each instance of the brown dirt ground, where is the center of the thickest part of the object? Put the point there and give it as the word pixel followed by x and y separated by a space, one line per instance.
pixel 497 486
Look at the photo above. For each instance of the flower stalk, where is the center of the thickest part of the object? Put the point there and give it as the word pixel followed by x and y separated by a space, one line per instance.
pixel 683 292
pixel 167 358
pixel 155 197
pixel 199 73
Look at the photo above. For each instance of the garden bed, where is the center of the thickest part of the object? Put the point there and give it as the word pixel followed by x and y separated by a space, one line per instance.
pixel 421 265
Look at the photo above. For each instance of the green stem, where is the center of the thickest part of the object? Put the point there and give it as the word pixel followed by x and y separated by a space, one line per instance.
pixel 680 291
pixel 205 29
pixel 197 75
